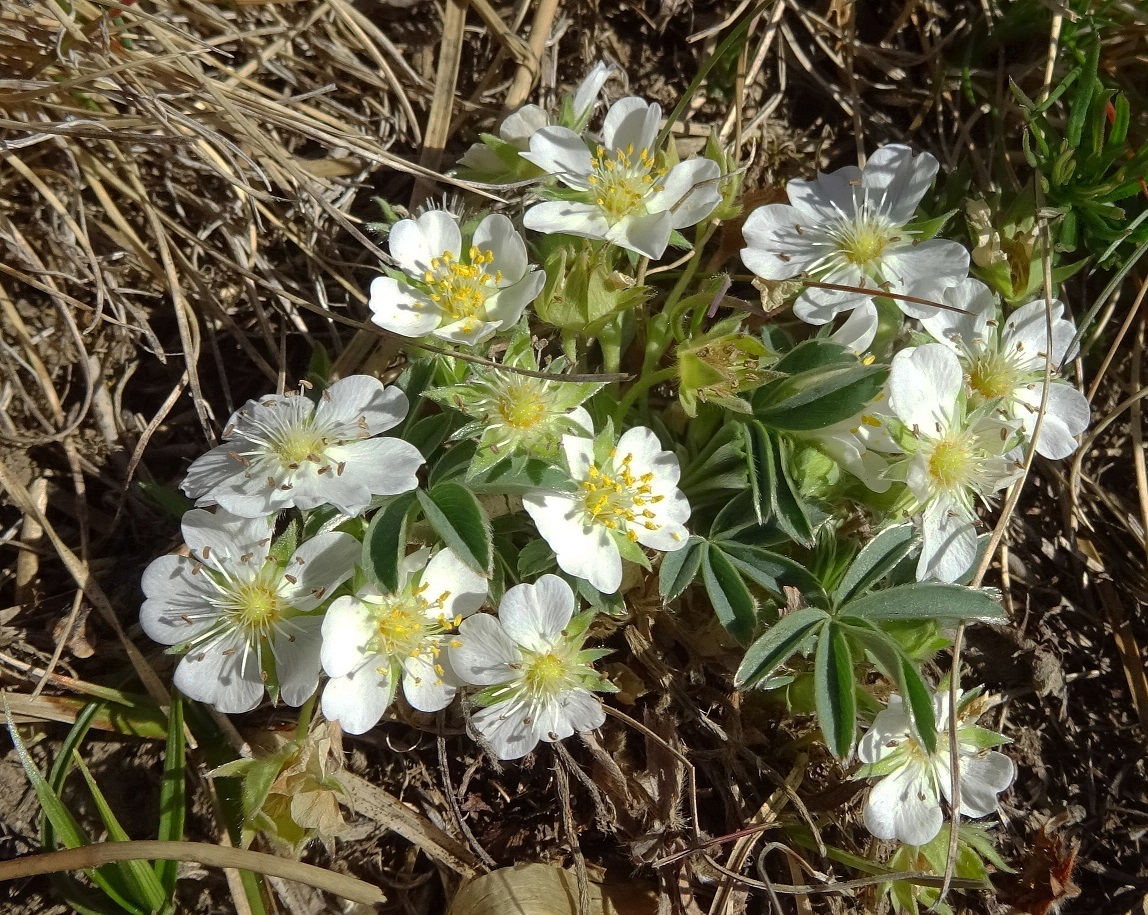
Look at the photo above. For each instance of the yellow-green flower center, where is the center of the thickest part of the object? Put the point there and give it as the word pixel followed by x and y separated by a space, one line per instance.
pixel 952 463
pixel 615 497
pixel 256 607
pixel 406 625
pixel 865 241
pixel 993 376
pixel 297 444
pixel 461 289
pixel 521 404
pixel 546 674
pixel 620 182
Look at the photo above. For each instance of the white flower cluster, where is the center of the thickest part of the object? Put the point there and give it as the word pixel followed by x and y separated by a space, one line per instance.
pixel 960 410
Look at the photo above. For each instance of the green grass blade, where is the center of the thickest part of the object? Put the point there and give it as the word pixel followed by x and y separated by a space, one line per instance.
pixel 172 795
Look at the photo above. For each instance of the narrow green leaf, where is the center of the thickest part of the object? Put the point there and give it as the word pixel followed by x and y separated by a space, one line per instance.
pixel 876 559
pixel 814 354
pixel 928 601
pixel 679 569
pixel 413 381
pixel 788 507
pixel 759 469
pixel 819 398
pixel 172 794
pixel 835 691
pixel 428 433
pixel 896 665
pixel 777 645
pixel 519 477
pixel 1081 105
pixel 139 876
pixel 385 542
pixel 773 572
pixel 734 605
pixel 454 513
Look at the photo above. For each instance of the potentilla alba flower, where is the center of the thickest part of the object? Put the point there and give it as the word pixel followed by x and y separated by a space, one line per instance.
pixel 539 680
pixel 849 228
pixel 954 455
pixel 1007 363
pixel 462 296
pixel 283 452
pixel 906 803
pixel 626 194
pixel 489 159
pixel 241 615
pixel 373 639
pixel 514 413
pixel 625 495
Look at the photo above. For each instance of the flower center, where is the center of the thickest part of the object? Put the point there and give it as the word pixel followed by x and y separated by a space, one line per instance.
pixel 952 463
pixel 547 674
pixel 296 444
pixel 620 182
pixel 993 376
pixel 617 499
pixel 256 607
pixel 521 405
pixel 405 625
pixel 863 241
pixel 459 289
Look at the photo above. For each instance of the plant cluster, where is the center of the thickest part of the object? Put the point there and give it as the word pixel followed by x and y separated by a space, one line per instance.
pixel 589 410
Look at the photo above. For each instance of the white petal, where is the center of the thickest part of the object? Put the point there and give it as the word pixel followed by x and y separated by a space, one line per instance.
pixel 904 806
pixel 1026 332
pixel 1067 416
pixel 948 543
pixel 497 234
pixel 579 454
pixel 296 647
pixel 505 307
pixel 505 727
pixel 519 126
pixel 358 700
pixel 401 310
pixel 982 779
pixel 381 466
pixel 967 330
pixel 425 688
pixel 224 674
pixel 563 153
pixel 414 243
pixel 447 574
pixel 829 200
pixel 898 180
pixel 648 235
pixel 467 331
pixel 776 250
pixel 631 122
pixel 221 535
pixel 690 190
pixel 178 605
pixel 360 406
pixel 566 217
pixel 319 566
pixel 909 265
pixel 923 385
pixel 348 627
pixel 220 478
pixel 859 329
pixel 587 92
pixel 486 653
pixel 647 455
pixel 534 615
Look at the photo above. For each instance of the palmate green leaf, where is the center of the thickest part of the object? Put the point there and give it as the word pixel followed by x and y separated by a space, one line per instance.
pixel 777 645
pixel 454 513
pixel 928 601
pixel 877 558
pixel 788 507
pixel 679 569
pixel 835 690
pixel 820 397
pixel 896 665
pixel 385 542
pixel 732 602
pixel 172 794
pixel 138 875
pixel 772 486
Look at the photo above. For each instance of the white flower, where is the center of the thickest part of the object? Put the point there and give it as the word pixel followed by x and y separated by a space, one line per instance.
pixel 230 601
pixel 627 195
pixel 861 445
pixel 848 228
pixel 461 297
pixel 955 455
pixel 373 639
pixel 283 452
pixel 906 803
pixel 1008 363
pixel 625 496
pixel 538 677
